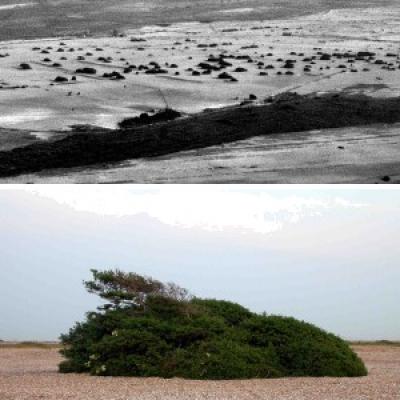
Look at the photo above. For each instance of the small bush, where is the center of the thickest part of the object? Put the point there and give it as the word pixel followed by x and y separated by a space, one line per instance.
pixel 60 79
pixel 167 114
pixel 86 70
pixel 153 329
pixel 25 66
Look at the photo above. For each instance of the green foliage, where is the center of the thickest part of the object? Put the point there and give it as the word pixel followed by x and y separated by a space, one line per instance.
pixel 168 335
pixel 304 349
pixel 123 289
pixel 232 313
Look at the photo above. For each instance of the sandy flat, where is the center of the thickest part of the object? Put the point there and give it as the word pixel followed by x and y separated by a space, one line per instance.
pixel 31 374
pixel 30 99
pixel 344 155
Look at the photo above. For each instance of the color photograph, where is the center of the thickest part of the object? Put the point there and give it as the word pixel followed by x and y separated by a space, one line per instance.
pixel 199 292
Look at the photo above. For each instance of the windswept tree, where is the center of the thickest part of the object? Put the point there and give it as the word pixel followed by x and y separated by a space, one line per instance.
pixel 128 289
pixel 148 328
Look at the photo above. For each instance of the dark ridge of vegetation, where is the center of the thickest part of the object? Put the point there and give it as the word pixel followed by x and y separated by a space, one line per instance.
pixel 148 328
pixel 283 113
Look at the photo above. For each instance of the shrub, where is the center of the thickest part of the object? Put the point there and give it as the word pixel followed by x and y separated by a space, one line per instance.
pixel 149 328
pixel 167 114
pixel 60 79
pixel 86 70
pixel 25 66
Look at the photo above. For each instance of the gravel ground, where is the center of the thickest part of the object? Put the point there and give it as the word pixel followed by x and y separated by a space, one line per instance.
pixel 31 374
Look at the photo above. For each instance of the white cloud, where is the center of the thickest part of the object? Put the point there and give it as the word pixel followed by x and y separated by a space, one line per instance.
pixel 207 207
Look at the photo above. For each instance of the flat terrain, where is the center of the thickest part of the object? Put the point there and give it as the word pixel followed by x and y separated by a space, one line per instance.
pixel 44 18
pixel 31 374
pixel 181 65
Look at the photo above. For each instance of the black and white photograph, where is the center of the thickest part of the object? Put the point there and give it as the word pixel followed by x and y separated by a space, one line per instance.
pixel 177 91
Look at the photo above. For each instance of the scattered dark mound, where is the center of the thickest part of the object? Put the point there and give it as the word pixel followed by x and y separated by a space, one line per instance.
pixel 226 76
pixel 61 79
pixel 156 70
pixel 113 75
pixel 25 66
pixel 86 70
pixel 153 329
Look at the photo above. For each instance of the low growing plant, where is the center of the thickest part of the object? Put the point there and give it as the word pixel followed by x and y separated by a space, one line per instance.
pixel 148 328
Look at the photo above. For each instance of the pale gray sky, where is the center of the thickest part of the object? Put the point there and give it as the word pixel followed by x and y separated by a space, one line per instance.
pixel 328 255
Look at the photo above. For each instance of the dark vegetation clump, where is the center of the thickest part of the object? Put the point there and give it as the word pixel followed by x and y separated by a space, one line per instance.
pixel 156 70
pixel 148 328
pixel 86 70
pixel 113 75
pixel 60 79
pixel 167 114
pixel 25 66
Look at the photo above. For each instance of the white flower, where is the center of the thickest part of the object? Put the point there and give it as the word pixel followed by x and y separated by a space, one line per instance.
pixel 101 369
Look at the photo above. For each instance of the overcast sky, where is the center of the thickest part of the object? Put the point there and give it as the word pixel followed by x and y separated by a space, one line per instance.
pixel 327 255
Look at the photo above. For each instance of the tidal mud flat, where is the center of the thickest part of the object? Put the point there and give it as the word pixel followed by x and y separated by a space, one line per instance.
pixel 50 85
pixel 31 373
